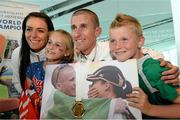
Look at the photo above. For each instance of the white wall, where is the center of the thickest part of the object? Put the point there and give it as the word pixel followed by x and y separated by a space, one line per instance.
pixel 176 17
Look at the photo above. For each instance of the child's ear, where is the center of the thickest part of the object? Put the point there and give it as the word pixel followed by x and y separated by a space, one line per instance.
pixel 141 42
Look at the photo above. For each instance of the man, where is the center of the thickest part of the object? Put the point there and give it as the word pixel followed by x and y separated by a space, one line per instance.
pixel 63 79
pixel 85 30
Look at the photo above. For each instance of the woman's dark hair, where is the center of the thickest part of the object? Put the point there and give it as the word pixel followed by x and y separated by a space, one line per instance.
pixel 25 48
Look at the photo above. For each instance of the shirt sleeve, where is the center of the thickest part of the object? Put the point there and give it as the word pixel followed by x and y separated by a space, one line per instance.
pixel 153 71
pixel 15 69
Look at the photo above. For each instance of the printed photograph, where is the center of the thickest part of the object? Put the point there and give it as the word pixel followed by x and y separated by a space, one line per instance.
pixel 11 45
pixel 94 90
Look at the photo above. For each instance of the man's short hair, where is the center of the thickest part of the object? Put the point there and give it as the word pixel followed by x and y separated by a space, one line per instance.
pixel 93 14
pixel 56 73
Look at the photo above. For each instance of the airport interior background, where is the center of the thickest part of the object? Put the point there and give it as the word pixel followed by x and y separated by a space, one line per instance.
pixel 154 15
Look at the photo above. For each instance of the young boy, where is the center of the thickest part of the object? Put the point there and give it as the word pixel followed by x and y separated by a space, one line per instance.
pixel 126 40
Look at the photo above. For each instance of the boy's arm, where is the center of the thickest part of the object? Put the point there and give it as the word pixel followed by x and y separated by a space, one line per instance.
pixel 165 111
pixel 139 100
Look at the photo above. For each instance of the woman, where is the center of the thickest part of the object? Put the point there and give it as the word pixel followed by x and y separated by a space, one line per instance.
pixel 35 28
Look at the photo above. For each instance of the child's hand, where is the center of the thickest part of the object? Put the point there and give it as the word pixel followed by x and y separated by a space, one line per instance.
pixel 92 93
pixel 139 99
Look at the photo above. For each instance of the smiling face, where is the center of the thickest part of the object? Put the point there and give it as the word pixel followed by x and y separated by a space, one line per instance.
pixel 36 33
pixel 56 47
pixel 125 43
pixel 84 32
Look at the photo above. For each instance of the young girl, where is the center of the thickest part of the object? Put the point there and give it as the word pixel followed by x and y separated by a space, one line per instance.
pixel 59 49
pixel 126 40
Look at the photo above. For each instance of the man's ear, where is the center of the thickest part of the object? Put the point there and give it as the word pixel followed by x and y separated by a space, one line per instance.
pixel 107 86
pixel 98 31
pixel 58 86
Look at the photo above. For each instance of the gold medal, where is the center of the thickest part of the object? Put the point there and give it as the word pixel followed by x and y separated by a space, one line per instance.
pixel 78 109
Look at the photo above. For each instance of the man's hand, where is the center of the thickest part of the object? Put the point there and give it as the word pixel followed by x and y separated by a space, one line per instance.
pixel 172 74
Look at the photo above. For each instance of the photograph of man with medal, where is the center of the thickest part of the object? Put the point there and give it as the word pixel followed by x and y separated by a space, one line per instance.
pixel 100 90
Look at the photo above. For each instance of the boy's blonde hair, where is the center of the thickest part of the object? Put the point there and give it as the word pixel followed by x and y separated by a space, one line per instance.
pixel 124 20
pixel 69 45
